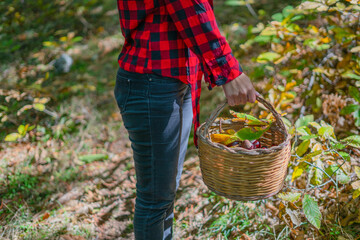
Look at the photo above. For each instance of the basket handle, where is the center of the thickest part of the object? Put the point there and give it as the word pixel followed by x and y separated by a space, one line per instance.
pixel 268 106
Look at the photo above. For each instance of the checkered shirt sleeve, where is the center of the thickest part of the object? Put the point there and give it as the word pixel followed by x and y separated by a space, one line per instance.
pixel 195 21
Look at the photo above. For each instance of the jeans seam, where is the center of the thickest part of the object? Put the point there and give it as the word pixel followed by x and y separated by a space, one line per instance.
pixel 152 159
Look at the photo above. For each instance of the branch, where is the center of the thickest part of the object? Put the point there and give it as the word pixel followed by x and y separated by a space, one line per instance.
pixel 323 172
pixel 251 10
pixel 53 114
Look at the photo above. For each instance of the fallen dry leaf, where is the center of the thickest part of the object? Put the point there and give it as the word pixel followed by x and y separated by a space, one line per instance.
pixel 45 216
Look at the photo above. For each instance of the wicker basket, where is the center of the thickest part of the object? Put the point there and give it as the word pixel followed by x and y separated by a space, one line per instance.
pixel 238 173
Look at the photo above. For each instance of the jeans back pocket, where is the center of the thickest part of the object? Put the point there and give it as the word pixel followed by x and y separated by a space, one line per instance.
pixel 121 91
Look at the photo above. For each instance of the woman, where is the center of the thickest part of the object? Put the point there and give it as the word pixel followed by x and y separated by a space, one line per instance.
pixel 169 46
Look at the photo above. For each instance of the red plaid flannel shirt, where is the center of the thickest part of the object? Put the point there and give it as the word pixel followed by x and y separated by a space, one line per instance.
pixel 179 39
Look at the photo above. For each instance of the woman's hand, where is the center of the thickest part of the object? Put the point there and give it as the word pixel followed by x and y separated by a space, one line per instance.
pixel 240 90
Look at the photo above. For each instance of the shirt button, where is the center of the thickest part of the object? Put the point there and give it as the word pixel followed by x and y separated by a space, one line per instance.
pixel 128 80
pixel 150 79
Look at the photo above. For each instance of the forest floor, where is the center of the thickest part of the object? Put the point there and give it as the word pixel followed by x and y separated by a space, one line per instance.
pixel 52 194
pixel 72 177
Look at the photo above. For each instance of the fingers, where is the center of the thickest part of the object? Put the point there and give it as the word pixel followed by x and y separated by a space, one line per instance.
pixel 242 98
pixel 230 101
pixel 240 91
pixel 251 97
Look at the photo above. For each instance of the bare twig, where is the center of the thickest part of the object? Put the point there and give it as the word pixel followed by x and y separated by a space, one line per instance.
pixel 326 78
pixel 52 114
pixel 323 172
pixel 16 213
pixel 251 10
pixel 312 81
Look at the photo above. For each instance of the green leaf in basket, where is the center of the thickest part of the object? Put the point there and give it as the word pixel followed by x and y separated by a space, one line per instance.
pixel 250 134
pixel 250 120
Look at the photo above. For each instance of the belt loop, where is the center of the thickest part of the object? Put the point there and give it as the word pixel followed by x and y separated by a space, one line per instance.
pixel 148 76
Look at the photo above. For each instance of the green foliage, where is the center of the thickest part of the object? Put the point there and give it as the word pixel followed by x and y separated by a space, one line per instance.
pixel 19 183
pixel 311 210
pixel 237 219
pixel 93 157
pixel 350 109
pixel 320 56
pixel 304 121
pixel 302 148
pixel 268 57
pixel 289 196
pixel 250 134
pixel 320 157
pixel 342 178
pixel 353 140
pixel 354 93
pixel 317 174
pixel 22 130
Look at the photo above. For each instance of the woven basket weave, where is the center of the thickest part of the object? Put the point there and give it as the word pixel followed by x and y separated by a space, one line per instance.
pixel 238 173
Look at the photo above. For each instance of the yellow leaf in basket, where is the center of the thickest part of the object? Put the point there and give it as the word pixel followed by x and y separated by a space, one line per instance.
pixel 230 131
pixel 220 138
pixel 263 114
pixel 289 86
pixel 232 139
pixel 289 95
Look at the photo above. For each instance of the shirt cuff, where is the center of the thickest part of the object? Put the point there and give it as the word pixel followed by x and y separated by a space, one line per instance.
pixel 221 70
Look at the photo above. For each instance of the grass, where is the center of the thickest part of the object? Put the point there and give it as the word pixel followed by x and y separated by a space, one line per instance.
pixel 238 218
pixel 28 191
pixel 20 184
pixel 23 226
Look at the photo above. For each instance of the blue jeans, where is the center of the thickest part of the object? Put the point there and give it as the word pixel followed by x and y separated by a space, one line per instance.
pixel 157 113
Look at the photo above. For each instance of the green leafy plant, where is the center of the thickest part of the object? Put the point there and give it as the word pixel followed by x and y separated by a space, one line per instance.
pixel 304 51
pixel 311 210
pixel 353 108
pixel 22 130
